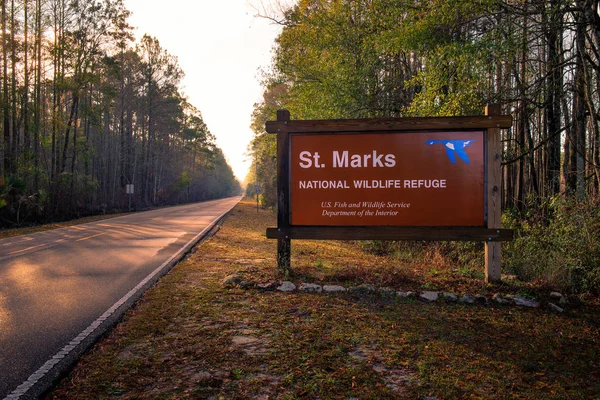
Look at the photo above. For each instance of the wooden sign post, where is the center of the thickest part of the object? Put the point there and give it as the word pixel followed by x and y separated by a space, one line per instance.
pixel 494 199
pixel 390 179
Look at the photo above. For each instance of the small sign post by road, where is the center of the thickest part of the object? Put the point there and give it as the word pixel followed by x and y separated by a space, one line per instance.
pixel 390 179
pixel 129 192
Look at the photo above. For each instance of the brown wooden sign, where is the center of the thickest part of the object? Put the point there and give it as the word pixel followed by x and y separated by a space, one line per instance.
pixel 390 179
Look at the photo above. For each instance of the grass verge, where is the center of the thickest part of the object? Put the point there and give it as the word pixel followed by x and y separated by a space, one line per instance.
pixel 190 337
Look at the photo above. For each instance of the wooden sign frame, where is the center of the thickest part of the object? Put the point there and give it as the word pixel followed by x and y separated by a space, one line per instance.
pixel 491 233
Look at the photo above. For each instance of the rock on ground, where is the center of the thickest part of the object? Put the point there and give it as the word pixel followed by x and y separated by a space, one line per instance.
pixel 363 289
pixel 429 296
pixel 387 292
pixel 556 308
pixel 311 287
pixel 450 297
pixel 556 296
pixel 467 299
pixel 286 286
pixel 523 302
pixel 333 288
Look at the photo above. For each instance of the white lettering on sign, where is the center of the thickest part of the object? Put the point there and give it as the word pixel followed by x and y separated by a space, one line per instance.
pixel 425 183
pixel 323 185
pixel 307 159
pixel 344 159
pixel 378 184
pixel 375 160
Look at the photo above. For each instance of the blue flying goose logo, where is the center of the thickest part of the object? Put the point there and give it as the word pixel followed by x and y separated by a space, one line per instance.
pixel 454 148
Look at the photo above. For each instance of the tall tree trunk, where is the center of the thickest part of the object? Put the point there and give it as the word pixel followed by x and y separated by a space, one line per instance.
pixel 38 95
pixel 55 91
pixel 14 139
pixel 568 178
pixel 579 116
pixel 25 109
pixel 124 178
pixel 70 124
pixel 532 167
pixel 149 149
pixel 593 112
pixel 523 115
pixel 5 105
pixel 555 85
pixel 578 144
pixel 520 141
pixel 73 197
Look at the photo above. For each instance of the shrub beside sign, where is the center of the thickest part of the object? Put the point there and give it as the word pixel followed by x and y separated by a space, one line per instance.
pixel 390 179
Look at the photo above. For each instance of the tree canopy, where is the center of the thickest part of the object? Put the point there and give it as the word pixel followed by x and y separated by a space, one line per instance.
pixel 540 60
pixel 86 111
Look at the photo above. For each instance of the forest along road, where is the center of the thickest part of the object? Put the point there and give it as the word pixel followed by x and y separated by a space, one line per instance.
pixel 55 284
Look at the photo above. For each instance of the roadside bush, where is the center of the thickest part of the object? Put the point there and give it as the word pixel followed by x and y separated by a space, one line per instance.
pixel 18 207
pixel 469 255
pixel 562 251
pixel 439 254
pixel 380 247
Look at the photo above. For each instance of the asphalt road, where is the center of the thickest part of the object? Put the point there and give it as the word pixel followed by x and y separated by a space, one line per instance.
pixel 54 284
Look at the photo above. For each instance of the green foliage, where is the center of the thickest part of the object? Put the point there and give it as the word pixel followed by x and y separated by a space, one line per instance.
pixel 16 206
pixel 465 255
pixel 88 185
pixel 354 59
pixel 451 84
pixel 337 62
pixel 263 175
pixel 562 251
pixel 183 182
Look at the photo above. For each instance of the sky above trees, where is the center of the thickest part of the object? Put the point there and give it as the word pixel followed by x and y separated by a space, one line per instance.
pixel 220 46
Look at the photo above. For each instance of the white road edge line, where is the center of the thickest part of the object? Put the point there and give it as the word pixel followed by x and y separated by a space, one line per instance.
pixel 24 387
